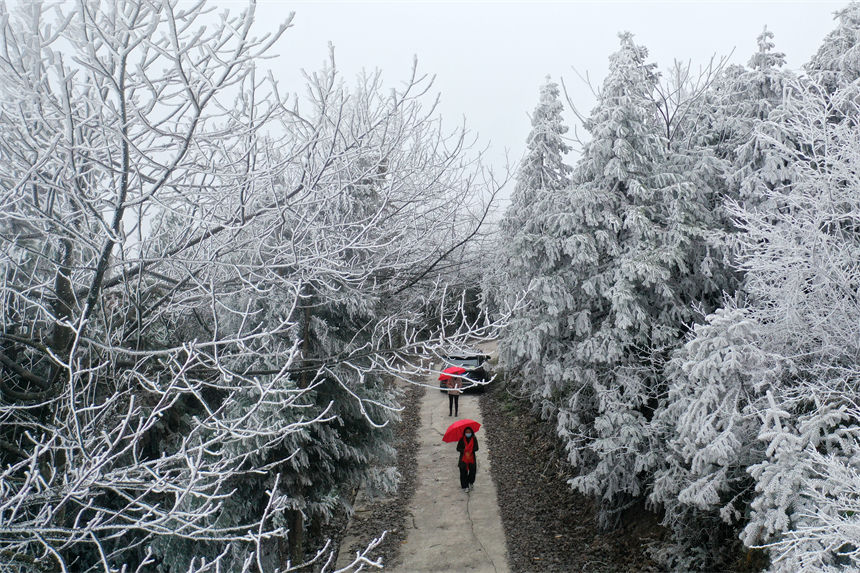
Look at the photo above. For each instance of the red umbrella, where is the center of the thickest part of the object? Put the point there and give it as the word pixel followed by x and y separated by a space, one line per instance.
pixel 455 370
pixel 455 430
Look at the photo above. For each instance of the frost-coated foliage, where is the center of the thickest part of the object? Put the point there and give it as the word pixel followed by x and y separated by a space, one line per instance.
pixel 763 400
pixel 707 421
pixel 528 252
pixel 619 208
pixel 836 64
pixel 646 215
pixel 802 279
pixel 612 270
pixel 696 335
pixel 206 287
pixel 710 423
pixel 750 99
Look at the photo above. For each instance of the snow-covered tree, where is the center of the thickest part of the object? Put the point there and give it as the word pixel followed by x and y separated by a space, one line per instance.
pixel 631 229
pixel 720 133
pixel 763 400
pixel 611 265
pixel 707 416
pixel 203 285
pixel 528 250
pixel 802 278
pixel 616 225
pixel 758 93
pixel 836 64
pixel 709 423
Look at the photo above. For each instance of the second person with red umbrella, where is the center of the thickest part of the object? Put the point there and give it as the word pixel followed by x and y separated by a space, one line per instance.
pixel 451 377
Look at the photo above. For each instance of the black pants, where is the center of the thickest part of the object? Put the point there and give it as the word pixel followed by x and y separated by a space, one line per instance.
pixel 467 474
pixel 453 403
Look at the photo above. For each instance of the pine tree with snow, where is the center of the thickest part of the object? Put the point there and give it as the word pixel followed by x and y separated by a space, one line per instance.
pixel 836 64
pixel 760 93
pixel 740 98
pixel 528 252
pixel 621 311
pixel 543 168
pixel 630 231
pixel 709 425
pixel 769 387
pixel 709 417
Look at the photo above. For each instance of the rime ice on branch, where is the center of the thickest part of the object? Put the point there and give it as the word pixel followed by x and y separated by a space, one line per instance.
pixel 203 284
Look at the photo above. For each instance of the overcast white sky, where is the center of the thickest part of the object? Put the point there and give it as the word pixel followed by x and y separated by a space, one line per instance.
pixel 490 58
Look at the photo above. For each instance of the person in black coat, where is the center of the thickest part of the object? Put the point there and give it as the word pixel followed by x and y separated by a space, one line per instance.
pixel 467 446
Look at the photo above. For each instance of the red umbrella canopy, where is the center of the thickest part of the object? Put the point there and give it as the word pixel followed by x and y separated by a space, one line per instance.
pixel 455 430
pixel 455 370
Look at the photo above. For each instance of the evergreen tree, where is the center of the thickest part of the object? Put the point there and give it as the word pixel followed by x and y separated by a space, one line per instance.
pixel 630 259
pixel 623 312
pixel 763 400
pixel 709 424
pixel 709 417
pixel 836 64
pixel 738 101
pixel 760 92
pixel 528 252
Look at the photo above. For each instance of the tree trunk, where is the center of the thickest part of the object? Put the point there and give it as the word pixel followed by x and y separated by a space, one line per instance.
pixel 296 523
pixel 295 519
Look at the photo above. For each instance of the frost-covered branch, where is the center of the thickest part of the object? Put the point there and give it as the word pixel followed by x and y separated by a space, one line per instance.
pixel 205 286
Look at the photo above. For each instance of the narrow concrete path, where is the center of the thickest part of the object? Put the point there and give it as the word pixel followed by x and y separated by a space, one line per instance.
pixel 449 529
